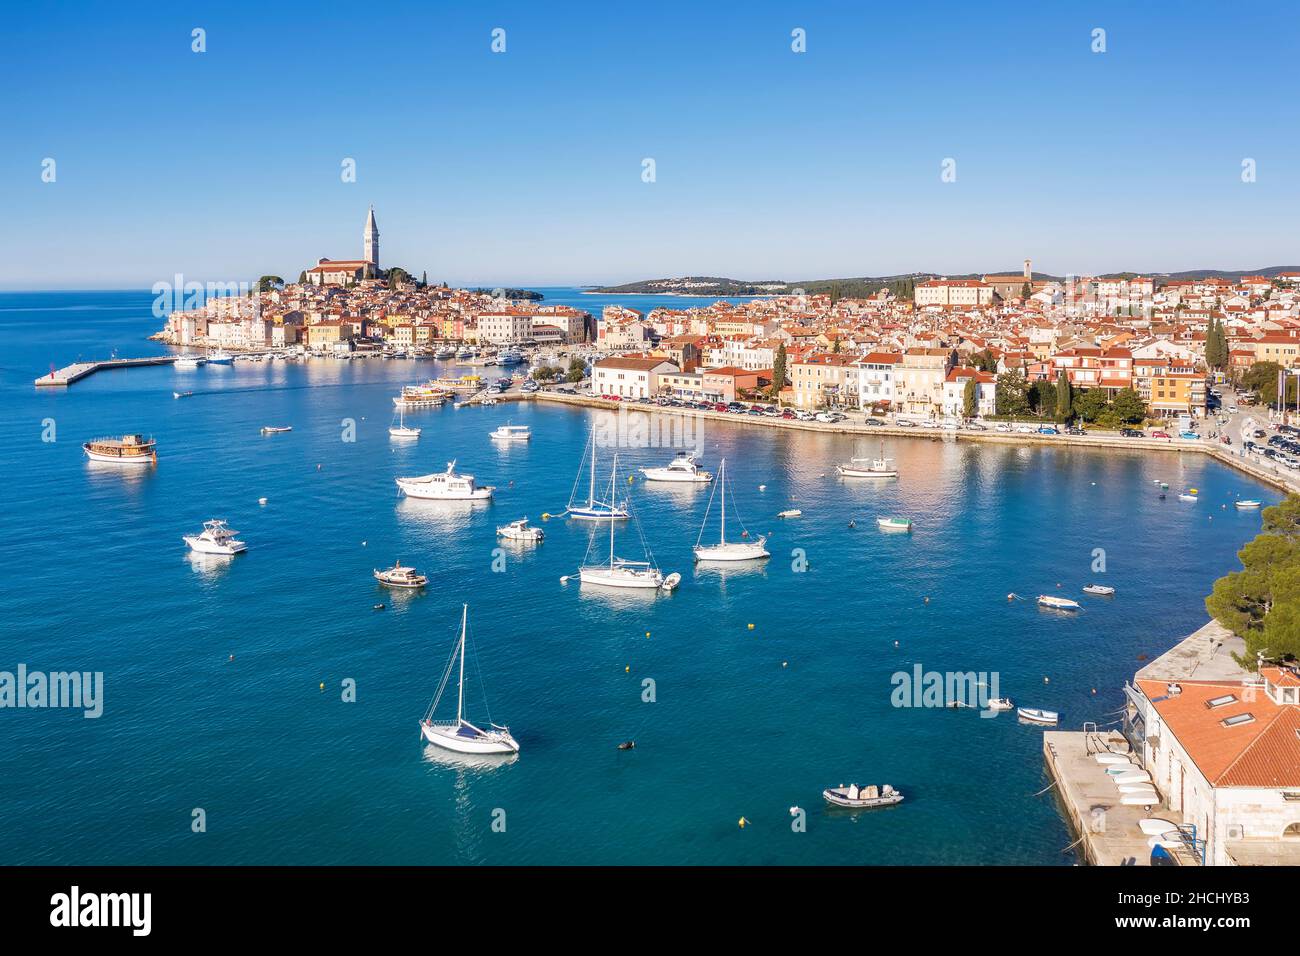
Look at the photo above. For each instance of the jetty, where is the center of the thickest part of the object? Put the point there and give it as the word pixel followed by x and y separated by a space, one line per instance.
pixel 75 372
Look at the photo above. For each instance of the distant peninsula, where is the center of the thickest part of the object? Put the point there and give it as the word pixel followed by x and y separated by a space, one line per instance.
pixel 512 294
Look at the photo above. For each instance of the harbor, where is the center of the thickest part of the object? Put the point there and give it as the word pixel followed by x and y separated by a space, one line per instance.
pixel 63 377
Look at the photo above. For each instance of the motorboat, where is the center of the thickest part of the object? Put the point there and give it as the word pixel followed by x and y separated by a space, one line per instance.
pixel 724 550
pixel 520 531
pixel 789 513
pixel 1187 497
pixel 684 469
pixel 188 363
pixel 220 357
pixel 881 467
pixel 894 524
pixel 862 798
pixel 401 429
pixel 276 429
pixel 444 354
pixel 399 576
pixel 215 538
pixel 127 450
pixel 1246 504
pixel 1116 760
pixel 1000 703
pixel 460 735
pixel 1155 826
pixel 1036 716
pixel 620 572
pixel 446 485
pixel 511 433
pixel 181 394
pixel 1057 603
pixel 509 356
pixel 594 508
pixel 1105 590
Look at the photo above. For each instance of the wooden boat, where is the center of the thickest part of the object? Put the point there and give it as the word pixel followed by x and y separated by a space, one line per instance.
pixel 127 450
pixel 1036 716
pixel 401 577
pixel 861 798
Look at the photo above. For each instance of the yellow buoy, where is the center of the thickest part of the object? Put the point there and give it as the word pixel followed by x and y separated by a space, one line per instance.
pixel 627 670
pixel 647 633
pixel 322 685
pixel 751 627
pixel 742 821
pixel 545 515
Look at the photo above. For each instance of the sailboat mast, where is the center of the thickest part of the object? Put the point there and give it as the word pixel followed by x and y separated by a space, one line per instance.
pixel 460 693
pixel 613 492
pixel 722 479
pixel 591 488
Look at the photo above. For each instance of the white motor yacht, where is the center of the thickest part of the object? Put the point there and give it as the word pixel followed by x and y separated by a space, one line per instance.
pixel 511 433
pixel 399 576
pixel 685 468
pixel 215 538
pixel 446 485
pixel 520 531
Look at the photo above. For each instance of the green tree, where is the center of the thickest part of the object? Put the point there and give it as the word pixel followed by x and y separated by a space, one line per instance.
pixel 1011 394
pixel 1026 291
pixel 778 370
pixel 1091 404
pixel 1064 396
pixel 302 277
pixel 267 283
pixel 396 276
pixel 1044 396
pixel 577 370
pixel 1127 406
pixel 1262 378
pixel 970 398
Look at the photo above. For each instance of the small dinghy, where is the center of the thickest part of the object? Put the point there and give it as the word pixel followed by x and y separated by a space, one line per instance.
pixel 791 513
pixel 1001 703
pixel 1057 603
pixel 181 394
pixel 862 798
pixel 1170 841
pixel 1154 826
pixel 276 429
pixel 671 582
pixel 1105 590
pixel 1036 716
pixel 1129 777
pixel 1135 787
pixel 894 524
pixel 1248 503
pixel 1187 496
pixel 1148 799
pixel 1119 759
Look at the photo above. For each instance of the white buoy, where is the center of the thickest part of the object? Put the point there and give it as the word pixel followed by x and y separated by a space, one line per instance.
pixel 261 501
pixel 762 487
pixel 564 579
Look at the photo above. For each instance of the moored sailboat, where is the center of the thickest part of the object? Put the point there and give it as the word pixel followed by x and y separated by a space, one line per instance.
pixel 726 550
pixel 621 572
pixel 460 735
pixel 593 508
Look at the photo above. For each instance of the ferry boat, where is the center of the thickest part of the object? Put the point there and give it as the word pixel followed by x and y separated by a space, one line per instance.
pixel 215 538
pixel 445 485
pixel 685 468
pixel 511 433
pixel 127 450
pixel 509 356
pixel 459 383
pixel 894 524
pixel 188 363
pixel 429 395
pixel 520 531
pixel 1057 603
pixel 460 735
pixel 220 357
pixel 401 577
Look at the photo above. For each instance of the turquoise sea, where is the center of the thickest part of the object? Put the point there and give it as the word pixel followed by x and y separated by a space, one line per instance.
pixel 746 722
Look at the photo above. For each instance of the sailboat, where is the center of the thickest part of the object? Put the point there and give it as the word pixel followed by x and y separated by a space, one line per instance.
pixel 593 509
pixel 620 572
pixel 881 467
pixel 459 734
pixel 726 550
pixel 401 429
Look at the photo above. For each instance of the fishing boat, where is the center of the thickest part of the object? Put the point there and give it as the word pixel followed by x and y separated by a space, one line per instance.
pixel 181 394
pixel 215 538
pixel 220 357
pixel 726 550
pixel 594 509
pixel 520 531
pixel 861 798
pixel 187 363
pixel 1246 504
pixel 881 467
pixel 511 433
pixel 620 572
pixel 401 429
pixel 276 429
pixel 1057 603
pixel 127 450
pixel 894 524
pixel 1036 716
pixel 445 485
pixel 401 577
pixel 684 469
pixel 460 735
pixel 1105 590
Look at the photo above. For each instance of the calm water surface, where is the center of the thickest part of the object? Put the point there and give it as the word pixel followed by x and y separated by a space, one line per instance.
pixel 747 721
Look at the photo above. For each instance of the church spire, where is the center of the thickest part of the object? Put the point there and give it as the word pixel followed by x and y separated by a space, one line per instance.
pixel 370 241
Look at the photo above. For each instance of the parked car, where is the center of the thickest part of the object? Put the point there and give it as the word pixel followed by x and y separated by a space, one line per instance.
pixel 1075 430
pixel 788 414
pixel 905 423
pixel 977 427
pixel 1048 430
pixel 1131 432
pixel 1159 434
pixel 1002 427
pixel 1025 429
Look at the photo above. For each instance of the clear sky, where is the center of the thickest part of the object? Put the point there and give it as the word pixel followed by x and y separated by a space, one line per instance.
pixel 525 167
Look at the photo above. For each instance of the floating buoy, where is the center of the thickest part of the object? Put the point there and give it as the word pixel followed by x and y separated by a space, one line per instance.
pixel 318 467
pixel 546 515
pixel 647 633
pixel 1094 692
pixel 895 643
pixel 751 627
pixel 627 669
pixel 795 811
pixel 564 579
pixel 1011 596
pixel 363 544
pixel 1047 680
pixel 261 501
pixel 232 657
pixel 742 821
pixel 322 686
pixel 379 607
pixel 627 745
pixel 629 480
pixel 927 599
pixel 762 487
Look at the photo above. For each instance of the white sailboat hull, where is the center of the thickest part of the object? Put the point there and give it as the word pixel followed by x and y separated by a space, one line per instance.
pixel 847 471
pixel 647 578
pixel 454 737
pixel 597 513
pixel 732 551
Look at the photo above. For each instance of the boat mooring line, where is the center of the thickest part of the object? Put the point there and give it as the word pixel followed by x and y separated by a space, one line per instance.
pixel 1073 845
pixel 1045 789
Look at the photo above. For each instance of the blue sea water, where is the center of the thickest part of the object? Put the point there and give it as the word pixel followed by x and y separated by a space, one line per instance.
pixel 746 722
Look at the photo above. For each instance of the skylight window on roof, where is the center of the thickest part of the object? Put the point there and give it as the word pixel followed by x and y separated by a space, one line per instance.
pixel 1238 719
pixel 1223 701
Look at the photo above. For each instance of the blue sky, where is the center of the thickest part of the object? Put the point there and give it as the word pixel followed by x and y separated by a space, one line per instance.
pixel 525 167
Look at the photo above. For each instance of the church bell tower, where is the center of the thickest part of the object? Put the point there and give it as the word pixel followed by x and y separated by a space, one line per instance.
pixel 370 242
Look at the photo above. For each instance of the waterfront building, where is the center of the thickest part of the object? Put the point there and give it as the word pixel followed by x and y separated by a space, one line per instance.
pixel 875 379
pixel 505 327
pixel 954 392
pixel 920 378
pixel 820 379
pixel 630 376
